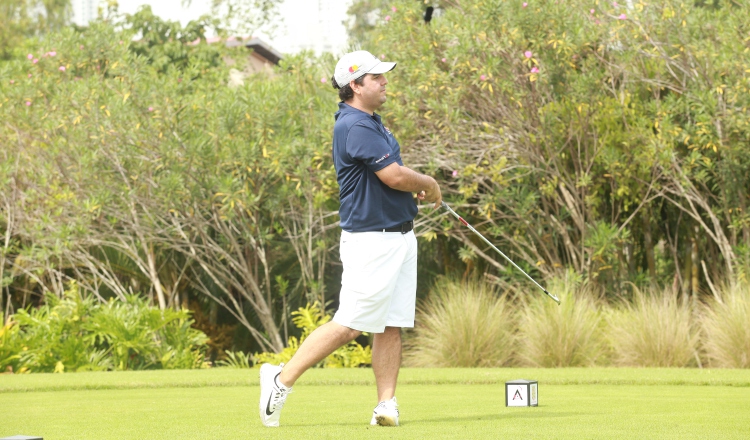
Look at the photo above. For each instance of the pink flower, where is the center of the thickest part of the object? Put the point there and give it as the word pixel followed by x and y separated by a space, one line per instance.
pixel 483 77
pixel 393 8
pixel 528 54
pixel 28 103
pixel 615 4
pixel 120 41
pixel 382 56
pixel 150 109
pixel 525 4
pixel 61 68
pixel 534 69
pixel 592 11
pixel 455 173
pixel 29 56
pixel 12 82
pixel 622 17
pixel 323 80
pixel 35 61
pixel 80 47
pixel 53 53
pixel 29 75
pixel 443 60
pixel 387 18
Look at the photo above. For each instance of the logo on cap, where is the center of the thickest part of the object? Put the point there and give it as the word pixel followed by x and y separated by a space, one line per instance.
pixel 353 68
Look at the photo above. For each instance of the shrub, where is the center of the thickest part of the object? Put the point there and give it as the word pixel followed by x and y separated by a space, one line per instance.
pixel 654 330
pixel 77 333
pixel 236 359
pixel 727 330
pixel 462 324
pixel 138 336
pixel 9 345
pixel 568 335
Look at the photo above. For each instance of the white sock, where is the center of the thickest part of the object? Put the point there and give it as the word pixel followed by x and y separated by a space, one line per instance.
pixel 279 384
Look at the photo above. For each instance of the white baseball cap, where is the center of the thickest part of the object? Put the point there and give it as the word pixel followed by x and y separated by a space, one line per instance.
pixel 355 64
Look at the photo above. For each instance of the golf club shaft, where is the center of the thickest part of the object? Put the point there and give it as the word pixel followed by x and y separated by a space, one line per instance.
pixel 465 223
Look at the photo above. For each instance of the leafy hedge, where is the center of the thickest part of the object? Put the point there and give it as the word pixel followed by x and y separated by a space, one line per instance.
pixel 79 333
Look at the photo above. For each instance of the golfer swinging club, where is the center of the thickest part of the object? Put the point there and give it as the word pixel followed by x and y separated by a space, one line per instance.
pixel 378 247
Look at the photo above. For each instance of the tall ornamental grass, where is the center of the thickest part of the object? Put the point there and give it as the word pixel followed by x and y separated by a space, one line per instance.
pixel 565 335
pixel 462 324
pixel 655 329
pixel 726 328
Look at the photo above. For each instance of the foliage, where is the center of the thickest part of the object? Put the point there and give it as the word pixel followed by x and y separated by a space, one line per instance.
pixel 579 134
pixel 170 47
pixel 565 335
pixel 462 324
pixel 307 319
pixel 236 359
pixel 77 333
pixel 726 334
pixel 245 17
pixel 162 176
pixel 656 329
pixel 20 19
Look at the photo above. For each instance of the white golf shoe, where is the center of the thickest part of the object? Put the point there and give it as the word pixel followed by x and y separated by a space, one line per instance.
pixel 386 413
pixel 272 394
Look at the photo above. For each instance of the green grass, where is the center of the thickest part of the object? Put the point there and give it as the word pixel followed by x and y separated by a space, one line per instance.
pixel 434 403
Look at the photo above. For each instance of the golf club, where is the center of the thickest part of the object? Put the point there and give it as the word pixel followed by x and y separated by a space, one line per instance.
pixel 465 223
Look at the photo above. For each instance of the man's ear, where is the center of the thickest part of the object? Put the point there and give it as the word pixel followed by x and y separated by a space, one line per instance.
pixel 353 85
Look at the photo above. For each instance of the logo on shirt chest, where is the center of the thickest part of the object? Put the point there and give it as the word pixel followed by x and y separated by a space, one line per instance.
pixel 387 130
pixel 383 158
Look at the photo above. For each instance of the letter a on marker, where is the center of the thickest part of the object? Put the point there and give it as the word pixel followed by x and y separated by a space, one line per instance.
pixel 518 394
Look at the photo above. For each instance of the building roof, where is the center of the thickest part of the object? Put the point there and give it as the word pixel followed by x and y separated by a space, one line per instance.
pixel 259 46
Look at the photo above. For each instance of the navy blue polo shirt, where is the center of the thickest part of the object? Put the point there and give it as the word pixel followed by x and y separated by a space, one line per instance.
pixel 361 146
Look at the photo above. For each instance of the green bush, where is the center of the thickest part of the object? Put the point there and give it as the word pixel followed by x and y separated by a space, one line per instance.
pixel 236 359
pixel 726 328
pixel 462 324
pixel 78 333
pixel 656 329
pixel 565 335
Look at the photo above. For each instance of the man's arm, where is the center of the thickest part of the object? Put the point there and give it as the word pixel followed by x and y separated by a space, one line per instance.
pixel 405 179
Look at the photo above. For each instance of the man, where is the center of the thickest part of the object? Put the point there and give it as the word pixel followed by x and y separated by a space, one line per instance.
pixel 378 247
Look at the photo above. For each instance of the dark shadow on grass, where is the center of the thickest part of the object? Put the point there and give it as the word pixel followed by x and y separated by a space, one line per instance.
pixel 529 414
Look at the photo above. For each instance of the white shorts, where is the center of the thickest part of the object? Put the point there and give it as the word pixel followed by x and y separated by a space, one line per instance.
pixel 379 283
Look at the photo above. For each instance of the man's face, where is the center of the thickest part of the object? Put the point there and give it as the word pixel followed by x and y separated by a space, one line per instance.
pixel 372 91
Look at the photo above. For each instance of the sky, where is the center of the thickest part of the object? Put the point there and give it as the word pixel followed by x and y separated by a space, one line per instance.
pixel 306 24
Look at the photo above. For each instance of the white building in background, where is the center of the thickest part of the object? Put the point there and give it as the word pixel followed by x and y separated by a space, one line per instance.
pixel 84 11
pixel 316 25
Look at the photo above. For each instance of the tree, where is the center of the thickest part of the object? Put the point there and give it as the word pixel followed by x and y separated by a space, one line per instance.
pixel 20 19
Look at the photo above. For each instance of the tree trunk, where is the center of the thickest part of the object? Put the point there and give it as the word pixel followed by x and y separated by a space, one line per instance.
pixel 694 263
pixel 648 245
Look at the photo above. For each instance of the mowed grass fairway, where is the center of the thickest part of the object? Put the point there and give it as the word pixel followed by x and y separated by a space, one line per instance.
pixel 337 404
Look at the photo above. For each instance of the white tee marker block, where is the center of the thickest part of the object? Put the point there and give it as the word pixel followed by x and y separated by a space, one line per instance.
pixel 521 392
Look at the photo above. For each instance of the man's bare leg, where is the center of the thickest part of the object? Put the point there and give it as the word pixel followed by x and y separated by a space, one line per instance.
pixel 323 341
pixel 386 361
